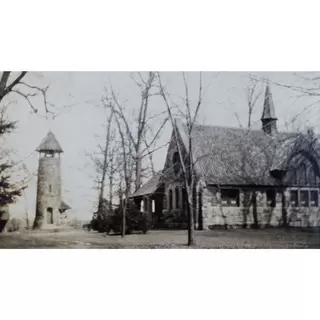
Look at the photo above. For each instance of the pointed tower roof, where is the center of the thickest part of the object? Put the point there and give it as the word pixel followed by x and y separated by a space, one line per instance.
pixel 268 107
pixel 50 144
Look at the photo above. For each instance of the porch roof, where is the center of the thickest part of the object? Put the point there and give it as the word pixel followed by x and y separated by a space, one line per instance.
pixel 148 188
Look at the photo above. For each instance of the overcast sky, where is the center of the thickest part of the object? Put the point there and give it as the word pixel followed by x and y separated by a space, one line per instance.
pixel 76 95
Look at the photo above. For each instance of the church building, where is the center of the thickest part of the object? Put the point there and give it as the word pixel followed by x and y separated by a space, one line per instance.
pixel 244 177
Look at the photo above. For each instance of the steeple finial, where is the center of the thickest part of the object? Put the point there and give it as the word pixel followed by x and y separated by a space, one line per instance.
pixel 269 119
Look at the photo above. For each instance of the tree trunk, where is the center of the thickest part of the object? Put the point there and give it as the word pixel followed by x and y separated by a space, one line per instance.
pixel 123 229
pixel 284 210
pixel 110 193
pixel 246 208
pixel 3 83
pixel 255 211
pixel 190 217
pixel 138 170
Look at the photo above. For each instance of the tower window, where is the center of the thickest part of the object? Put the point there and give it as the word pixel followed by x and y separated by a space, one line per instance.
pixel 50 188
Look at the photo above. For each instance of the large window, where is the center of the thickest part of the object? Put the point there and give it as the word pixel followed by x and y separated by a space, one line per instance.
pixel 302 175
pixel 230 197
pixel 312 178
pixel 304 198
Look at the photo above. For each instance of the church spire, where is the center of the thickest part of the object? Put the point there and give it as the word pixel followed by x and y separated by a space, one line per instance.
pixel 268 119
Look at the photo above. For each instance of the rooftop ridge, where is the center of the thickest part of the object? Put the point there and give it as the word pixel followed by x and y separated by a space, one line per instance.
pixel 240 128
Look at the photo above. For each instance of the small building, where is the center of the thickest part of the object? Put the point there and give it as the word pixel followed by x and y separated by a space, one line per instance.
pixel 50 208
pixel 243 177
pixel 149 198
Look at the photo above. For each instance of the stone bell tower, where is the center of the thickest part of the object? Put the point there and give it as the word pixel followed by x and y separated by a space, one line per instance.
pixel 50 209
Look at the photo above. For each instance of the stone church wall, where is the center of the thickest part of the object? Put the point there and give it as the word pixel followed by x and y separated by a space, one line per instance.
pixel 217 215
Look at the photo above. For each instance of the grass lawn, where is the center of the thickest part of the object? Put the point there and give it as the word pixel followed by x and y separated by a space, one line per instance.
pixel 240 238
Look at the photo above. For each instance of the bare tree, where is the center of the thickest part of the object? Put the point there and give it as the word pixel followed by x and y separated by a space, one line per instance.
pixel 253 93
pixel 125 159
pixel 106 152
pixel 127 175
pixel 138 130
pixel 188 164
pixel 16 83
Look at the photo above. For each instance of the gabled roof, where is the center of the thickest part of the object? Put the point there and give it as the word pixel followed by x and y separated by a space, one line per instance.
pixel 237 156
pixel 49 144
pixel 149 187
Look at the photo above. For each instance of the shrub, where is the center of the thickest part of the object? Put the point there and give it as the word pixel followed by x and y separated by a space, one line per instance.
pixel 13 225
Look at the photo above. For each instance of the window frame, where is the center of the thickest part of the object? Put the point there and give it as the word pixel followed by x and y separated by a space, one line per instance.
pixel 229 201
pixel 304 201
pixel 309 191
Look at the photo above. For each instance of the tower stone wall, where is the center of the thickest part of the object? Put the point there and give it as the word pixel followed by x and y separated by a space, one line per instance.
pixel 50 209
pixel 49 190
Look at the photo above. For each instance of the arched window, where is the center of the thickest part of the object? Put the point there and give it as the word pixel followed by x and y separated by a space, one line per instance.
pixel 312 179
pixel 294 176
pixel 170 199
pixel 176 163
pixel 177 198
pixel 302 175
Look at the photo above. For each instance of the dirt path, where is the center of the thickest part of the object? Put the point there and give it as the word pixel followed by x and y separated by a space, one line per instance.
pixel 164 239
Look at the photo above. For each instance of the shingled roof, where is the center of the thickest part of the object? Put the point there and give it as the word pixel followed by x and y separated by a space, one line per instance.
pixel 50 144
pixel 150 187
pixel 237 156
